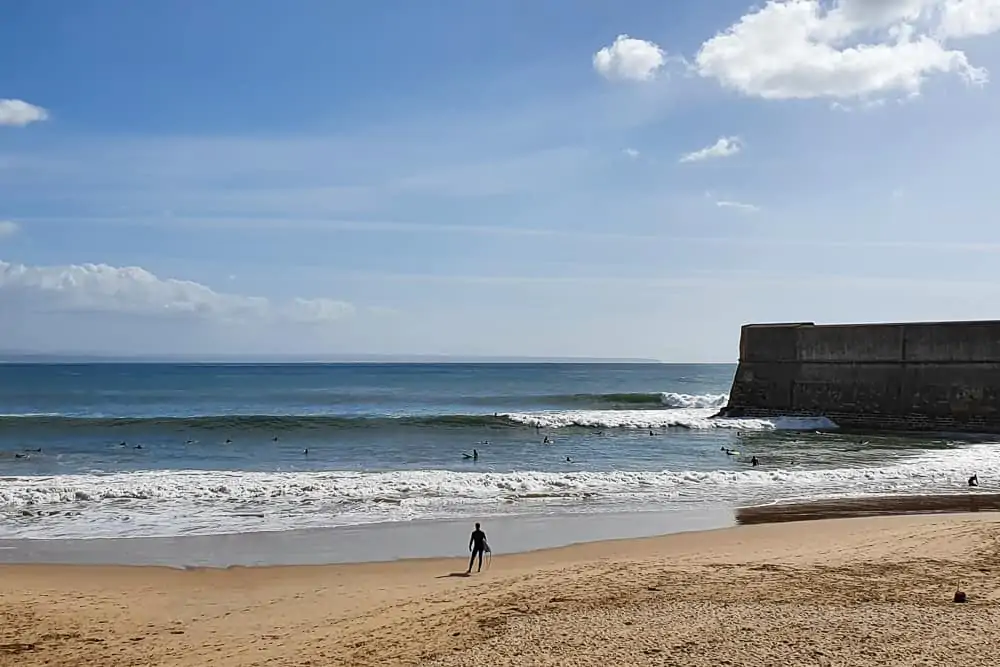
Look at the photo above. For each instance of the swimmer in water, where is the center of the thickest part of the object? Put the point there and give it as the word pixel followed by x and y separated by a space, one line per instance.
pixel 546 441
pixel 475 454
pixel 569 460
pixel 306 452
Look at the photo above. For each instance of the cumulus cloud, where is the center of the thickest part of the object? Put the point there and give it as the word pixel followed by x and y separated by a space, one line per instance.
pixel 739 206
pixel 629 59
pixel 788 49
pixel 19 113
pixel 968 18
pixel 8 228
pixel 724 147
pixel 135 291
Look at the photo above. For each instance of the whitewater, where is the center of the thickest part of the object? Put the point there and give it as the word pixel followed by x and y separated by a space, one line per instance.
pixel 164 503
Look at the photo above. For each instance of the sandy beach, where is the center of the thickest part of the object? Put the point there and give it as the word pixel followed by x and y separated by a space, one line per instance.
pixel 859 591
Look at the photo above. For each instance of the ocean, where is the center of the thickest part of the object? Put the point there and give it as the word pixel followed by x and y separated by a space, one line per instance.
pixel 164 450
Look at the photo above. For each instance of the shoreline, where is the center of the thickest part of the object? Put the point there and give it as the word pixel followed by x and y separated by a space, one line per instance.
pixel 754 593
pixel 370 543
pixel 441 539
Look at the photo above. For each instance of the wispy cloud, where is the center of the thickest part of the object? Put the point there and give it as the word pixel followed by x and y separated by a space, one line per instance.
pixel 724 147
pixel 334 226
pixel 19 113
pixel 631 152
pixel 8 228
pixel 689 280
pixel 749 208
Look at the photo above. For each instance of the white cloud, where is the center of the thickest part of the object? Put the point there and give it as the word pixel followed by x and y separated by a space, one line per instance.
pixel 969 18
pixel 19 113
pixel 724 147
pixel 631 152
pixel 630 59
pixel 132 290
pixel 8 228
pixel 846 48
pixel 749 208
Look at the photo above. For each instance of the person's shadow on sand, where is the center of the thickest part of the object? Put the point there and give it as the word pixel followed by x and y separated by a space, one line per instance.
pixel 454 574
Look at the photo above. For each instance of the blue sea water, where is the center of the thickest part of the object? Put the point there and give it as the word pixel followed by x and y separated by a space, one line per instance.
pixel 113 450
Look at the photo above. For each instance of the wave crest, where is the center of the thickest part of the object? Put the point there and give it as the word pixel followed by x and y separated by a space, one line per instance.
pixel 672 400
pixel 677 418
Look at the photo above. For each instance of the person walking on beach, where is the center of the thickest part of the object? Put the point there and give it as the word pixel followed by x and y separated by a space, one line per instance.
pixel 478 546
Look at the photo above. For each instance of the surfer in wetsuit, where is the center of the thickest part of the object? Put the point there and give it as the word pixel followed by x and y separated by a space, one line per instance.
pixel 754 462
pixel 478 546
pixel 974 480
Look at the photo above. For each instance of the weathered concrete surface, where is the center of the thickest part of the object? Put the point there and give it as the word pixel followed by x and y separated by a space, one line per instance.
pixel 918 376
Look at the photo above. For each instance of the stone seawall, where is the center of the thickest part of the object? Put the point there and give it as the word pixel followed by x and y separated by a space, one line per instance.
pixel 917 376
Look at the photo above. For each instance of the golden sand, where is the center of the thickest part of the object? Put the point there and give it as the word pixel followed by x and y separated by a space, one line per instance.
pixel 869 591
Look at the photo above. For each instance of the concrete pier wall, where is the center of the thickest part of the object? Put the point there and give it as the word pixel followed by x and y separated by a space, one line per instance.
pixel 913 376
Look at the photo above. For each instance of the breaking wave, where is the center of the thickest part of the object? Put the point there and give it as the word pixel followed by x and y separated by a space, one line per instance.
pixel 206 502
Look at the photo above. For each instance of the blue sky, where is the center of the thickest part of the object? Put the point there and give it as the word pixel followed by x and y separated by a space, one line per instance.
pixel 554 178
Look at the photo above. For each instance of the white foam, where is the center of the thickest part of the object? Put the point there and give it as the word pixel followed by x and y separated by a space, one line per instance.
pixel 672 400
pixel 205 502
pixel 683 418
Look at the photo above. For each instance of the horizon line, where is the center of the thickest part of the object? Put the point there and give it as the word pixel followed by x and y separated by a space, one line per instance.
pixel 64 358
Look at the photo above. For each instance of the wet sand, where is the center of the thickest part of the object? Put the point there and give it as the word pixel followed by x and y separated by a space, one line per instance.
pixel 862 591
pixel 872 506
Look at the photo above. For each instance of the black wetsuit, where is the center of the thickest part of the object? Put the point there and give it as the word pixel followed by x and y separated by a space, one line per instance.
pixel 477 543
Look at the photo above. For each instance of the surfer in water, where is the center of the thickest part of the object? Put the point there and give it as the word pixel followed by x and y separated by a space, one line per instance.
pixel 754 462
pixel 478 546
pixel 974 480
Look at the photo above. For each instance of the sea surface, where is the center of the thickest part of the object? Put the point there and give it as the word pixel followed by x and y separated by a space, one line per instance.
pixel 149 450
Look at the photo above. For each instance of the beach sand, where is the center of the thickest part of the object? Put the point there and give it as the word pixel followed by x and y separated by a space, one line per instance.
pixel 859 591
